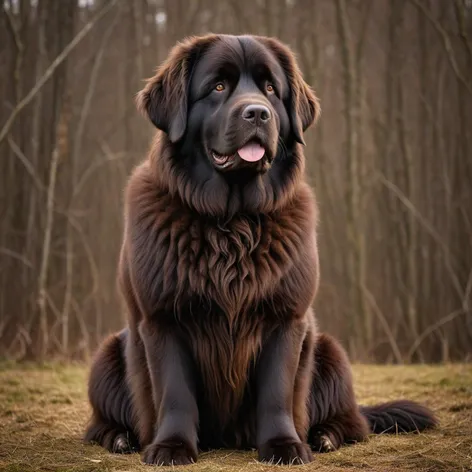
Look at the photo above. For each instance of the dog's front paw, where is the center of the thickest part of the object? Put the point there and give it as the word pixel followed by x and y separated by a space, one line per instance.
pixel 285 451
pixel 323 442
pixel 169 453
pixel 122 444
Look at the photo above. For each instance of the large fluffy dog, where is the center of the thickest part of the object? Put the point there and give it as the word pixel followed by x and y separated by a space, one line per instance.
pixel 219 269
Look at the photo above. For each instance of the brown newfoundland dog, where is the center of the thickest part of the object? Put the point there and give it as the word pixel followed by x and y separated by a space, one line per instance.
pixel 219 269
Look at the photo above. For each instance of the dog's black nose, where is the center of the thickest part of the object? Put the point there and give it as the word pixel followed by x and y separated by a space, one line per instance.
pixel 256 114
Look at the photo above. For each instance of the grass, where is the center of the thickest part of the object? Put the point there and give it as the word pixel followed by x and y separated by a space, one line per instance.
pixel 43 411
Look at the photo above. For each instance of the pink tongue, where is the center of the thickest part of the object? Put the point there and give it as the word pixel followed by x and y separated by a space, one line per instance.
pixel 251 152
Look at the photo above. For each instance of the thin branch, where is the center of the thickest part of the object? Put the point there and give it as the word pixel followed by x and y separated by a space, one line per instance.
pixel 42 279
pixel 364 28
pixel 431 328
pixel 26 163
pixel 93 166
pixel 384 323
pixel 89 255
pixel 460 13
pixel 430 229
pixel 14 29
pixel 3 325
pixel 51 69
pixel 91 89
pixel 17 256
pixel 446 43
pixel 83 326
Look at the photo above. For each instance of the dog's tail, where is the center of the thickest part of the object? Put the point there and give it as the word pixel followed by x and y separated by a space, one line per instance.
pixel 401 416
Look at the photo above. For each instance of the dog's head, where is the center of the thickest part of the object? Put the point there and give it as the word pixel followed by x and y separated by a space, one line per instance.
pixel 234 107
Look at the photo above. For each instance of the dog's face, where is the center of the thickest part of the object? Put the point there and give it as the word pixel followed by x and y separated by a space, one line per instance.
pixel 234 107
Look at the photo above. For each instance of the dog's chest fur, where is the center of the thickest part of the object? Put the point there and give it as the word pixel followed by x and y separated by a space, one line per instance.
pixel 182 255
pixel 238 264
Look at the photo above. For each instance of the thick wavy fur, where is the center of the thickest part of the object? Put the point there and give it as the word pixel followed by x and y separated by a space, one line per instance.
pixel 219 270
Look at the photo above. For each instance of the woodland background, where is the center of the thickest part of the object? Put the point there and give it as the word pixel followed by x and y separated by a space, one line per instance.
pixel 391 162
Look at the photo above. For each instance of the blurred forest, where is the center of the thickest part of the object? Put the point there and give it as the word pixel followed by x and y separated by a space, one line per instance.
pixel 391 162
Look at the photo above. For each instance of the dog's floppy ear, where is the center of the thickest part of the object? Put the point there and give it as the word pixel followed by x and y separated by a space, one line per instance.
pixel 164 98
pixel 304 106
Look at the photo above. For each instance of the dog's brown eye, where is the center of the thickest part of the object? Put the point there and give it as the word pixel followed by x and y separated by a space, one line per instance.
pixel 220 87
pixel 270 88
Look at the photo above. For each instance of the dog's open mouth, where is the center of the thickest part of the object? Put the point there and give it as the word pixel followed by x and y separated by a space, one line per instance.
pixel 250 152
pixel 222 161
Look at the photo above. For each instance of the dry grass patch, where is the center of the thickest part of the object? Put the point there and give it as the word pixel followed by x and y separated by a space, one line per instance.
pixel 43 411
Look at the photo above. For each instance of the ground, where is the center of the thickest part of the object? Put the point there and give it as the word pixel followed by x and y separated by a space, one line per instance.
pixel 43 411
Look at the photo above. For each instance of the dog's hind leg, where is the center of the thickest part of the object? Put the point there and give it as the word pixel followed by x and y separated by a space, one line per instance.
pixel 111 425
pixel 335 416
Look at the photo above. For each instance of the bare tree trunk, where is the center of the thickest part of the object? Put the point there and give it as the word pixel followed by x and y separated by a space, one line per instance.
pixel 44 267
pixel 353 199
pixel 412 237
